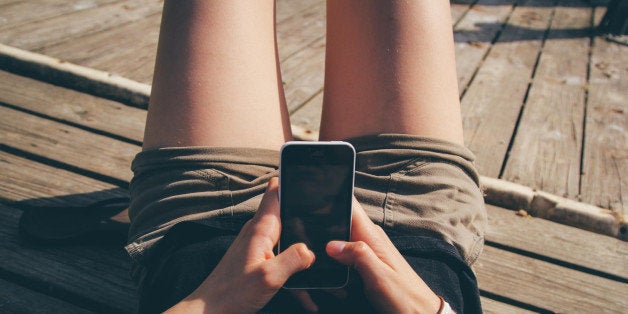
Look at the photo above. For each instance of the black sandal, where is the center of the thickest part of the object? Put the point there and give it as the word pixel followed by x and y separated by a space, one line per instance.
pixel 89 224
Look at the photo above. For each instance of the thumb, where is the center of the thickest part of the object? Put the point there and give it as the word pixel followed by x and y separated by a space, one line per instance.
pixel 359 255
pixel 294 259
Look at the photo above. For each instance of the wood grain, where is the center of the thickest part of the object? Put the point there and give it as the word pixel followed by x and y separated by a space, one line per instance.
pixel 128 50
pixel 474 35
pixel 97 276
pixel 17 299
pixel 34 183
pixel 491 105
pixel 71 106
pixel 17 13
pixel 308 117
pixel 85 274
pixel 66 144
pixel 303 74
pixel 458 10
pixel 71 26
pixel 558 242
pixel 286 8
pixel 548 286
pixel 490 306
pixel 301 30
pixel 605 160
pixel 547 147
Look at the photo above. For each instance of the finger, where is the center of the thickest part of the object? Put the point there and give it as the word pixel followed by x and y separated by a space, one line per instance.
pixel 296 258
pixel 337 293
pixel 305 299
pixel 360 256
pixel 270 200
pixel 363 229
pixel 266 221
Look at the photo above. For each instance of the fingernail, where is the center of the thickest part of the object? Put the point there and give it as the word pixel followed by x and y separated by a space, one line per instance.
pixel 335 248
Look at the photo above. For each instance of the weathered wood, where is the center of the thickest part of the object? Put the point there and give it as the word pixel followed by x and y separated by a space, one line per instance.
pixel 459 9
pixel 308 117
pixel 284 9
pixel 67 144
pixel 74 25
pixel 97 276
pixel 490 306
pixel 128 50
pixel 19 13
pixel 17 299
pixel 605 160
pixel 86 275
pixel 74 76
pixel 474 35
pixel 71 106
pixel 548 286
pixel 303 74
pixel 301 30
pixel 491 105
pixel 547 147
pixel 42 185
pixel 558 242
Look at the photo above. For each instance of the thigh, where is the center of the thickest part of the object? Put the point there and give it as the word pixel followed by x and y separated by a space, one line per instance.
pixel 217 80
pixel 390 68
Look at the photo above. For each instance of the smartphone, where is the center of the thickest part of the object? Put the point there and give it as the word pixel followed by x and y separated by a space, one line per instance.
pixel 315 189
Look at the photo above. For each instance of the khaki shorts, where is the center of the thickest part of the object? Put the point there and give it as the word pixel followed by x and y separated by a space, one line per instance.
pixel 407 184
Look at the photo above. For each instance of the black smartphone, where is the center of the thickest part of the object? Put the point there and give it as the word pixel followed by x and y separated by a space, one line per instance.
pixel 315 189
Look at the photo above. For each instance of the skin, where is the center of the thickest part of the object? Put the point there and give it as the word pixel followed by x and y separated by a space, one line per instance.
pixel 390 68
pixel 251 270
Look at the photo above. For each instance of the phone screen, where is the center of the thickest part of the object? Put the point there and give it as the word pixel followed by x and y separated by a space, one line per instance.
pixel 316 185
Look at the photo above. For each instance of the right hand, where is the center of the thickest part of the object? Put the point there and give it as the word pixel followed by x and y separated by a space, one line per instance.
pixel 390 284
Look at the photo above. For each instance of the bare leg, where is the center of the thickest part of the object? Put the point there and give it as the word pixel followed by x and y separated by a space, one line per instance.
pixel 217 80
pixel 390 68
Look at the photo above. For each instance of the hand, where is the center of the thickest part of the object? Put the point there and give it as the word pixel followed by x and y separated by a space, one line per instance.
pixel 250 274
pixel 390 284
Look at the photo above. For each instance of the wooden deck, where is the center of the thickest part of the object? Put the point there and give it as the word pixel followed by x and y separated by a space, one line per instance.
pixel 544 103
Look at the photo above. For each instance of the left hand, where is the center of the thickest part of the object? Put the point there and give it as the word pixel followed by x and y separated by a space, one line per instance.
pixel 250 274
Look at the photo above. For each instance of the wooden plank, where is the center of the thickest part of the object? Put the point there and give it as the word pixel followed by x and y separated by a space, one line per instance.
pixel 97 276
pixel 66 144
pixel 85 275
pixel 547 147
pixel 23 12
pixel 491 105
pixel 605 160
pixel 475 33
pixel 284 9
pixel 561 243
pixel 71 106
pixel 72 26
pixel 547 286
pixel 17 299
pixel 128 50
pixel 490 306
pixel 459 9
pixel 308 117
pixel 42 185
pixel 303 74
pixel 300 30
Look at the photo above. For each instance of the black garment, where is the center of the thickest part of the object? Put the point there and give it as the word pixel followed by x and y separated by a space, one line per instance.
pixel 190 251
